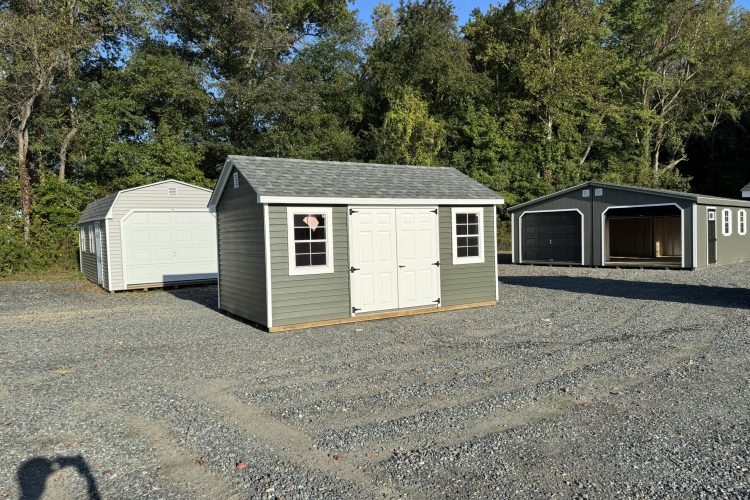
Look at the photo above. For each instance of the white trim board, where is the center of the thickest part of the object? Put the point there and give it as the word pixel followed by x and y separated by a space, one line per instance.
pixel 520 230
pixel 695 235
pixel 513 238
pixel 109 264
pixel 391 202
pixel 682 227
pixel 494 256
pixel 267 252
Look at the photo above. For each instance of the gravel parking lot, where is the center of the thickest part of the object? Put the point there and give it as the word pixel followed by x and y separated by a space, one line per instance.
pixel 579 383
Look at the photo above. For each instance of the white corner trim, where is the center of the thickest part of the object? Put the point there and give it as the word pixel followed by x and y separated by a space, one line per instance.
pixel 479 211
pixel 299 271
pixel 494 258
pixel 682 226
pixel 393 202
pixel 81 236
pixel 109 267
pixel 267 253
pixel 513 238
pixel 695 235
pixel 520 230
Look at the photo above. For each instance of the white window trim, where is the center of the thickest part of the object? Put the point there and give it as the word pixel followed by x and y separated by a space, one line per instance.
pixel 742 222
pixel 305 270
pixel 83 240
pixel 91 242
pixel 467 210
pixel 726 218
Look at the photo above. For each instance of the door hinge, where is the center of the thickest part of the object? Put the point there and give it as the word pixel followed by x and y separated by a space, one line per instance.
pixel 401 267
pixel 355 309
pixel 437 301
pixel 436 263
pixel 434 210
pixel 352 269
pixel 352 211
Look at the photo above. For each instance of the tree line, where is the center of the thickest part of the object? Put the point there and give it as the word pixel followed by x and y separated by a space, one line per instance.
pixel 528 97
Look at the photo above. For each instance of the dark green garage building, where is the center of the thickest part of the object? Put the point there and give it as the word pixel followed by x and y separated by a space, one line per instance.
pixel 599 224
pixel 308 243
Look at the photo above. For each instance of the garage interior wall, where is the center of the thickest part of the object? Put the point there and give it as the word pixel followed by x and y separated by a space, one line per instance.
pixel 644 237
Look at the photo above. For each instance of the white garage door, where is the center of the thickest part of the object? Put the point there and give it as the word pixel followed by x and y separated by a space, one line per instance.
pixel 163 247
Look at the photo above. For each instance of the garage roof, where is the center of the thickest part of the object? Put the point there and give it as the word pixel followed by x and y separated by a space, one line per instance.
pixel 283 180
pixel 99 209
pixel 698 198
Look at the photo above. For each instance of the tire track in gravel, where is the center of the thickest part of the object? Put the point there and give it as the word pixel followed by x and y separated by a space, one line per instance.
pixel 542 408
pixel 178 465
pixel 288 441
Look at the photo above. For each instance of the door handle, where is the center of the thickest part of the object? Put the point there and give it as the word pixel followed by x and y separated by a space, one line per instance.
pixel 401 267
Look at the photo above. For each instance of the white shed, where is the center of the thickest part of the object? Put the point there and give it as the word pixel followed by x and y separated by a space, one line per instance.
pixel 149 236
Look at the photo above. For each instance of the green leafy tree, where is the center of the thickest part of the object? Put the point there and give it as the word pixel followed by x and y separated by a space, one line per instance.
pixel 409 134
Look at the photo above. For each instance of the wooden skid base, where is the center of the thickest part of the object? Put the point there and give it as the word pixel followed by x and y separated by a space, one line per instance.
pixel 170 284
pixel 380 315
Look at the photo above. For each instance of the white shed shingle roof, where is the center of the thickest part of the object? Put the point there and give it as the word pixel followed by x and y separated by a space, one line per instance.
pixel 276 180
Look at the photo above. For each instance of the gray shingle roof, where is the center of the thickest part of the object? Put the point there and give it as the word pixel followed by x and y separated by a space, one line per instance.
pixel 280 177
pixel 746 188
pixel 699 198
pixel 97 209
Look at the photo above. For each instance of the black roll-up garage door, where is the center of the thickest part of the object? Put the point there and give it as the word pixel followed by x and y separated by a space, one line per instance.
pixel 551 237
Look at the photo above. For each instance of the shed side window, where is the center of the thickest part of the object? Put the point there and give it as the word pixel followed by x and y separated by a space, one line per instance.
pixel 742 222
pixel 468 240
pixel 82 235
pixel 92 246
pixel 726 219
pixel 309 237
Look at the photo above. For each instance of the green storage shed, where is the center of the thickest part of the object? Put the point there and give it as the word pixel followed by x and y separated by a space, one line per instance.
pixel 599 224
pixel 311 243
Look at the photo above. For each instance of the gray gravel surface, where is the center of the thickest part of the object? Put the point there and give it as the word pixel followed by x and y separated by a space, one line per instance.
pixel 579 383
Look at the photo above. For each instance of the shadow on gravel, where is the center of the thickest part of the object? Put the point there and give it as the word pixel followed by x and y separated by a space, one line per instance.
pixel 639 290
pixel 204 295
pixel 33 473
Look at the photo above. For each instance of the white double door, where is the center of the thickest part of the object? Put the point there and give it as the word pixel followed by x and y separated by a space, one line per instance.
pixel 394 258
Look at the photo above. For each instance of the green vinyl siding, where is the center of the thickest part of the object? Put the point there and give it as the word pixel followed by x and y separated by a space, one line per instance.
pixel 466 283
pixel 313 297
pixel 729 249
pixel 241 253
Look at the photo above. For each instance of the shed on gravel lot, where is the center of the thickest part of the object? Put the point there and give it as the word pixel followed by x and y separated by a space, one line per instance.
pixel 599 224
pixel 309 243
pixel 149 236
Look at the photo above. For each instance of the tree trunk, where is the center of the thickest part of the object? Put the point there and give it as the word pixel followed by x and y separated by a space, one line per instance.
pixel 66 141
pixel 22 137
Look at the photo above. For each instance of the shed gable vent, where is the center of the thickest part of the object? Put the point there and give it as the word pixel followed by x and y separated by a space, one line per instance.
pixel 172 191
pixel 235 180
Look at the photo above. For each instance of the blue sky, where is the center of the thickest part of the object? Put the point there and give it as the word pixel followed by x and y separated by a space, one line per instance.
pixel 463 9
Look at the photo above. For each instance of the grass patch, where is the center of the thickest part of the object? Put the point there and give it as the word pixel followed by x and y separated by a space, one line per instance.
pixel 51 275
